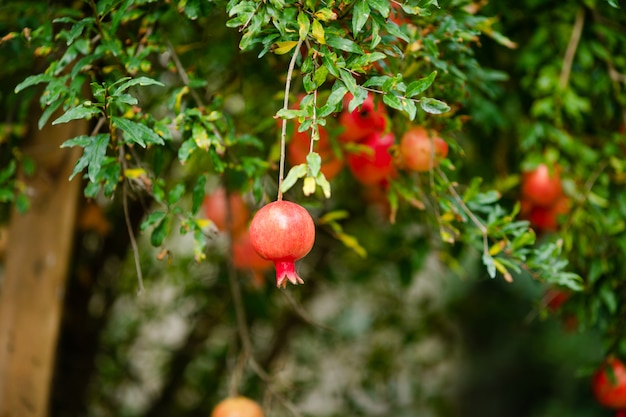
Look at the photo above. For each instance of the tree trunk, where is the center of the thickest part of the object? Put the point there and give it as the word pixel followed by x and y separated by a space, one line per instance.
pixel 37 257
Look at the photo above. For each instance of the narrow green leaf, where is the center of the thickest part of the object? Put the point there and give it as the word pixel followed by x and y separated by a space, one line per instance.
pixel 141 81
pixel 320 76
pixel 381 5
pixel 433 106
pixel 186 149
pixel 323 183
pixel 348 80
pixel 393 101
pixel 33 80
pixel 137 132
pixel 343 44
pixel 78 112
pixel 317 30
pixel 296 172
pixel 314 161
pixel 93 156
pixel 176 194
pixel 197 195
pixel 419 86
pixel 160 232
pixel 304 24
pixel 489 264
pixel 360 15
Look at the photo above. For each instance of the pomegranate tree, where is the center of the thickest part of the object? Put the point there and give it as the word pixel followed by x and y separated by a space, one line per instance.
pixel 283 232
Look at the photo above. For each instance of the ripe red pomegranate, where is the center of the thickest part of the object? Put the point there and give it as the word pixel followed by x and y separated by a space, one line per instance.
pixel 283 232
pixel 418 147
pixel 542 186
pixel 246 258
pixel 374 165
pixel 237 407
pixel 370 117
pixel 609 384
pixel 215 208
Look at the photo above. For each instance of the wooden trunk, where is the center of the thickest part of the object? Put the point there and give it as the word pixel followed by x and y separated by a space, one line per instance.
pixel 36 267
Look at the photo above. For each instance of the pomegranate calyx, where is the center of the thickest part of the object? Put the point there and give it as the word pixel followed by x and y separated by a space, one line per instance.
pixel 286 271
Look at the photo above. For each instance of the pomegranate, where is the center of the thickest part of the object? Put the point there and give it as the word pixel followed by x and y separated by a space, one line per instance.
pixel 609 384
pixel 421 150
pixel 246 258
pixel 370 117
pixel 237 407
pixel 373 165
pixel 215 208
pixel 283 232
pixel 542 186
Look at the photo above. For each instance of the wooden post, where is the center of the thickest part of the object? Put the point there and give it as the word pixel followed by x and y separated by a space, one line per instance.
pixel 37 264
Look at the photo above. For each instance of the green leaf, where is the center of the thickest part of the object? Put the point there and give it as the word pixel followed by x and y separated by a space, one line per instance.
pixel 352 243
pixel 433 106
pixel 290 113
pixel 419 86
pixel 381 5
pixel 137 132
pixel 317 30
pixel 197 195
pixel 489 264
pixel 343 44
pixel 360 15
pixel 141 81
pixel 176 194
pixel 33 80
pixel 79 112
pixel 394 30
pixel 304 24
pixel 152 219
pixel 323 183
pixel 357 99
pixel 94 153
pixel 320 76
pixel 160 232
pixel 201 136
pixel 314 161
pixel 296 172
pixel 393 101
pixel 348 80
pixel 186 149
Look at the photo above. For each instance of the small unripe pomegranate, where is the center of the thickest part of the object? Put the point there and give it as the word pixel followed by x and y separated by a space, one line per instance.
pixel 283 232
pixel 237 407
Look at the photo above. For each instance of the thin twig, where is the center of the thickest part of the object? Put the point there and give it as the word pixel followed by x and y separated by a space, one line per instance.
pixel 283 134
pixel 570 52
pixel 473 218
pixel 131 235
pixel 182 73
